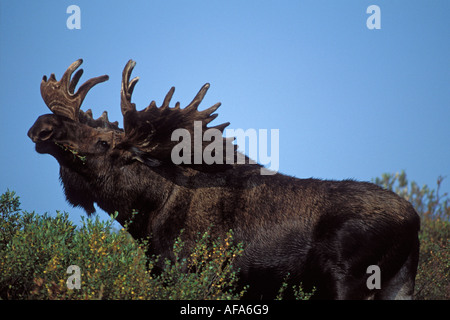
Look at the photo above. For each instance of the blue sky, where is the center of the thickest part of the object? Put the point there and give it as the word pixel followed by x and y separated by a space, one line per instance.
pixel 349 102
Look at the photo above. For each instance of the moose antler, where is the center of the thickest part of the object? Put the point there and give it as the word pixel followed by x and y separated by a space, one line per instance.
pixel 59 96
pixel 150 129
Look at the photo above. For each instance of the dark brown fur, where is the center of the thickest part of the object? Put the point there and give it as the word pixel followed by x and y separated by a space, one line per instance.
pixel 324 233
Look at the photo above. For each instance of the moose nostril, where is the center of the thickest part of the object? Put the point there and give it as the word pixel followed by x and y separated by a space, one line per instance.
pixel 45 134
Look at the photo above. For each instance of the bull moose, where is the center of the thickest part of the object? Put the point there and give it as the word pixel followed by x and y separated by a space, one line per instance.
pixel 324 233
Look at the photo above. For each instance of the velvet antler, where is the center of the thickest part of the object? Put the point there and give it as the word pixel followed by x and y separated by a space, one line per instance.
pixel 59 96
pixel 150 130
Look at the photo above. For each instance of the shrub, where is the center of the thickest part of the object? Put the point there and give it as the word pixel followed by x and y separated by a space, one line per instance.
pixel 296 291
pixel 433 274
pixel 207 273
pixel 36 251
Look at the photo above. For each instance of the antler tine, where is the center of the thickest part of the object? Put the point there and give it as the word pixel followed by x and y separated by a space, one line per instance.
pixel 208 113
pixel 168 98
pixel 65 79
pixel 75 80
pixel 85 87
pixel 127 88
pixel 198 98
pixel 59 96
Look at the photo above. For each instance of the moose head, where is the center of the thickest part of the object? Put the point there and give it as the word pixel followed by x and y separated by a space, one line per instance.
pixel 89 149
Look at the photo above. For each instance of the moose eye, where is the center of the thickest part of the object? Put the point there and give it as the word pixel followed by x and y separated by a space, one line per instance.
pixel 103 144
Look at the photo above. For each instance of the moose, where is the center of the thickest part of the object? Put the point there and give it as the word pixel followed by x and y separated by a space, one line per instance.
pixel 323 233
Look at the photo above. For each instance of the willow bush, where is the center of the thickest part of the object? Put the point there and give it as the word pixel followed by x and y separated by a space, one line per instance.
pixel 36 251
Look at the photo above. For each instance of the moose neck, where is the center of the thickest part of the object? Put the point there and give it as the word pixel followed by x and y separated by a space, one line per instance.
pixel 119 191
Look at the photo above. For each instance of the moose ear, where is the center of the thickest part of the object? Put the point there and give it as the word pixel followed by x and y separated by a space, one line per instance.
pixel 144 158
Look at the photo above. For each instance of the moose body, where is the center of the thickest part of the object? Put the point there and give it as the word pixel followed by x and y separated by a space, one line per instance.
pixel 324 234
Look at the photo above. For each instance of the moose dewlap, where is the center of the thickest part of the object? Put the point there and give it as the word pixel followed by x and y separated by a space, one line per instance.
pixel 324 234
